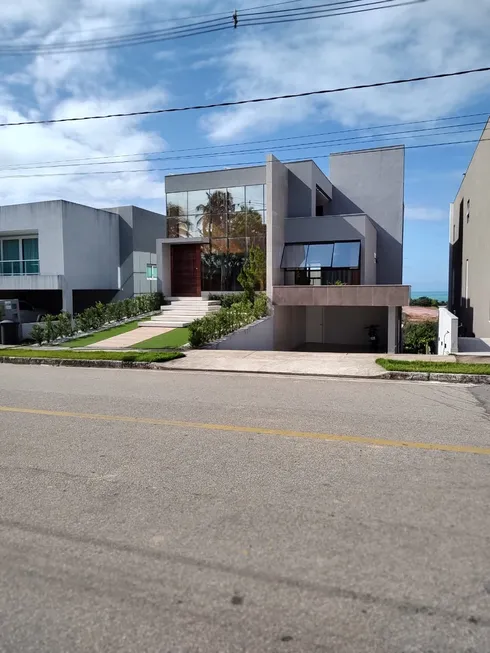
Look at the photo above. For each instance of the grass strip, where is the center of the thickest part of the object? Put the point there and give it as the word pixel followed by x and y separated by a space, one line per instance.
pixel 134 357
pixel 432 366
pixel 104 335
pixel 171 340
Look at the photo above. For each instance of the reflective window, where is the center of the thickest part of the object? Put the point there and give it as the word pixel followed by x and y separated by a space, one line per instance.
pixel 346 255
pixel 294 256
pixel 236 198
pixel 177 204
pixel 197 201
pixel 320 256
pixel 254 196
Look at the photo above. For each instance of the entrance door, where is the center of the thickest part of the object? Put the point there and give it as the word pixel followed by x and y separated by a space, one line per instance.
pixel 186 270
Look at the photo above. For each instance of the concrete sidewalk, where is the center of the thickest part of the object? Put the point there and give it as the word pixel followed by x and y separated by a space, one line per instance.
pixel 279 362
pixel 129 338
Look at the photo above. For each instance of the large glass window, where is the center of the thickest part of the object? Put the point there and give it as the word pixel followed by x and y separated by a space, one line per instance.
pixel 233 219
pixel 322 263
pixel 320 256
pixel 346 255
pixel 19 256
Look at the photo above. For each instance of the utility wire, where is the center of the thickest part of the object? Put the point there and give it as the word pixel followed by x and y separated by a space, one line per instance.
pixel 413 133
pixel 273 98
pixel 35 164
pixel 232 21
pixel 231 165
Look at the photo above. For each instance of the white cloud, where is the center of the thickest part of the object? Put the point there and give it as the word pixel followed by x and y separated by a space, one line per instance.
pixel 425 213
pixel 379 45
pixel 71 84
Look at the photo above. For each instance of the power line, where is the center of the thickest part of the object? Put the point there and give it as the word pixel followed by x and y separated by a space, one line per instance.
pixel 413 133
pixel 179 19
pixel 273 98
pixel 34 164
pixel 231 165
pixel 230 21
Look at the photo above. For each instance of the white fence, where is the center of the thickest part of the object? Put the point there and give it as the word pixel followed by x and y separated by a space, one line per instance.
pixel 448 333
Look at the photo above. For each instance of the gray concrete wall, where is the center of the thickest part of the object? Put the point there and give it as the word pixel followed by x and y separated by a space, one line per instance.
pixel 372 182
pixel 249 176
pixel 147 228
pixel 126 263
pixel 91 247
pixel 301 190
pixel 347 325
pixel 474 309
pixel 277 178
pixel 139 230
pixel 254 337
pixel 289 327
pixel 45 220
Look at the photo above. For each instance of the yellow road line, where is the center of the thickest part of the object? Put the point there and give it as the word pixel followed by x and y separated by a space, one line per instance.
pixel 382 442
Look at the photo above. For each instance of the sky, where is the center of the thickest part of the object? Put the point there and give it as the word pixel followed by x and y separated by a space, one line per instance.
pixel 415 39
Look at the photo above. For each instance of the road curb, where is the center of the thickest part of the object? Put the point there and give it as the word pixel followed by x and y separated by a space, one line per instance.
pixel 441 377
pixel 66 362
pixel 137 365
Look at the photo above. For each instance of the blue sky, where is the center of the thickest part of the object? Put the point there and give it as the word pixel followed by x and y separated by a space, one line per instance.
pixel 386 44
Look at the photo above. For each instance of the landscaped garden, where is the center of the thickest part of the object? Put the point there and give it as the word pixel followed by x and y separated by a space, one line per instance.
pixel 66 354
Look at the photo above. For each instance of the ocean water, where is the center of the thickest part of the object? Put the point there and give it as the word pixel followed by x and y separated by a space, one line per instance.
pixel 440 295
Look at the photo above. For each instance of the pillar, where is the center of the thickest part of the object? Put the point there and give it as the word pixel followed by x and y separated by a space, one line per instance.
pixel 392 329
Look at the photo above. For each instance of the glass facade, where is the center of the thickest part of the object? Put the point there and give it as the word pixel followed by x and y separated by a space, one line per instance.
pixel 322 264
pixel 234 220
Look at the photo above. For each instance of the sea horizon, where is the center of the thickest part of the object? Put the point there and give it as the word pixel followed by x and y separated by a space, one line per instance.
pixel 440 295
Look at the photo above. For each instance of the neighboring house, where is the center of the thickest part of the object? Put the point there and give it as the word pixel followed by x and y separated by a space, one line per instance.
pixel 60 255
pixel 334 246
pixel 469 251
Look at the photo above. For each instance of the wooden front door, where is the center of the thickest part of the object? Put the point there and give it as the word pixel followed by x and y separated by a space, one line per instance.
pixel 186 270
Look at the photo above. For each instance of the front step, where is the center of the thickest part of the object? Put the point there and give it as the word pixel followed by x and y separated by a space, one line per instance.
pixel 182 311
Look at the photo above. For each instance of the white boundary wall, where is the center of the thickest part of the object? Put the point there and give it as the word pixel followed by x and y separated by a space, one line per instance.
pixel 448 333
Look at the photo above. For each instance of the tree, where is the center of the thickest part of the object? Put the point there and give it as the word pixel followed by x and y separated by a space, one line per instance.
pixel 418 336
pixel 253 273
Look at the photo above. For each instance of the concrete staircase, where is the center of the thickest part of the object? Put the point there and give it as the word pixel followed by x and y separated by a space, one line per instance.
pixel 182 311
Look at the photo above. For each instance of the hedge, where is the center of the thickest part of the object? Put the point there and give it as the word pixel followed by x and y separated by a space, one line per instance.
pixel 95 317
pixel 228 319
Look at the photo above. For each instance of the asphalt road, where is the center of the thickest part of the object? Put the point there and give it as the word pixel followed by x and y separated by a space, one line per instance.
pixel 175 512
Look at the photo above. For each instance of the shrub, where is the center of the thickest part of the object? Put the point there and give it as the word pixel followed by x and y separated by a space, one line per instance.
pixel 37 334
pixel 226 320
pixel 228 300
pixel 97 316
pixel 50 329
pixel 261 305
pixel 65 325
pixel 417 336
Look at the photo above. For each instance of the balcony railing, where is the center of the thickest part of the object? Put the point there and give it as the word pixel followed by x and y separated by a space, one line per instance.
pixel 322 277
pixel 22 268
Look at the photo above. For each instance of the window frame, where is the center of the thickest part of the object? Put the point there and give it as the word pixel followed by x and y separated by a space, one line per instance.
pixel 21 261
pixel 154 271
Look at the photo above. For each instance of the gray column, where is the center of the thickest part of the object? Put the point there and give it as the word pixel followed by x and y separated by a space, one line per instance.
pixel 392 329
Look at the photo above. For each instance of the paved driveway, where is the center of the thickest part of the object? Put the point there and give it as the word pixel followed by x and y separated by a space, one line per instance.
pixel 278 362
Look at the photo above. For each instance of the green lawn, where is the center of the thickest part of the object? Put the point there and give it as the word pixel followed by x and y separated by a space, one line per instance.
pixel 171 340
pixel 430 366
pixel 137 357
pixel 103 335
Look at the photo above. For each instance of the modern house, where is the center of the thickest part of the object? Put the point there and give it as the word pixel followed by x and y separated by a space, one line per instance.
pixel 469 250
pixel 333 246
pixel 60 255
